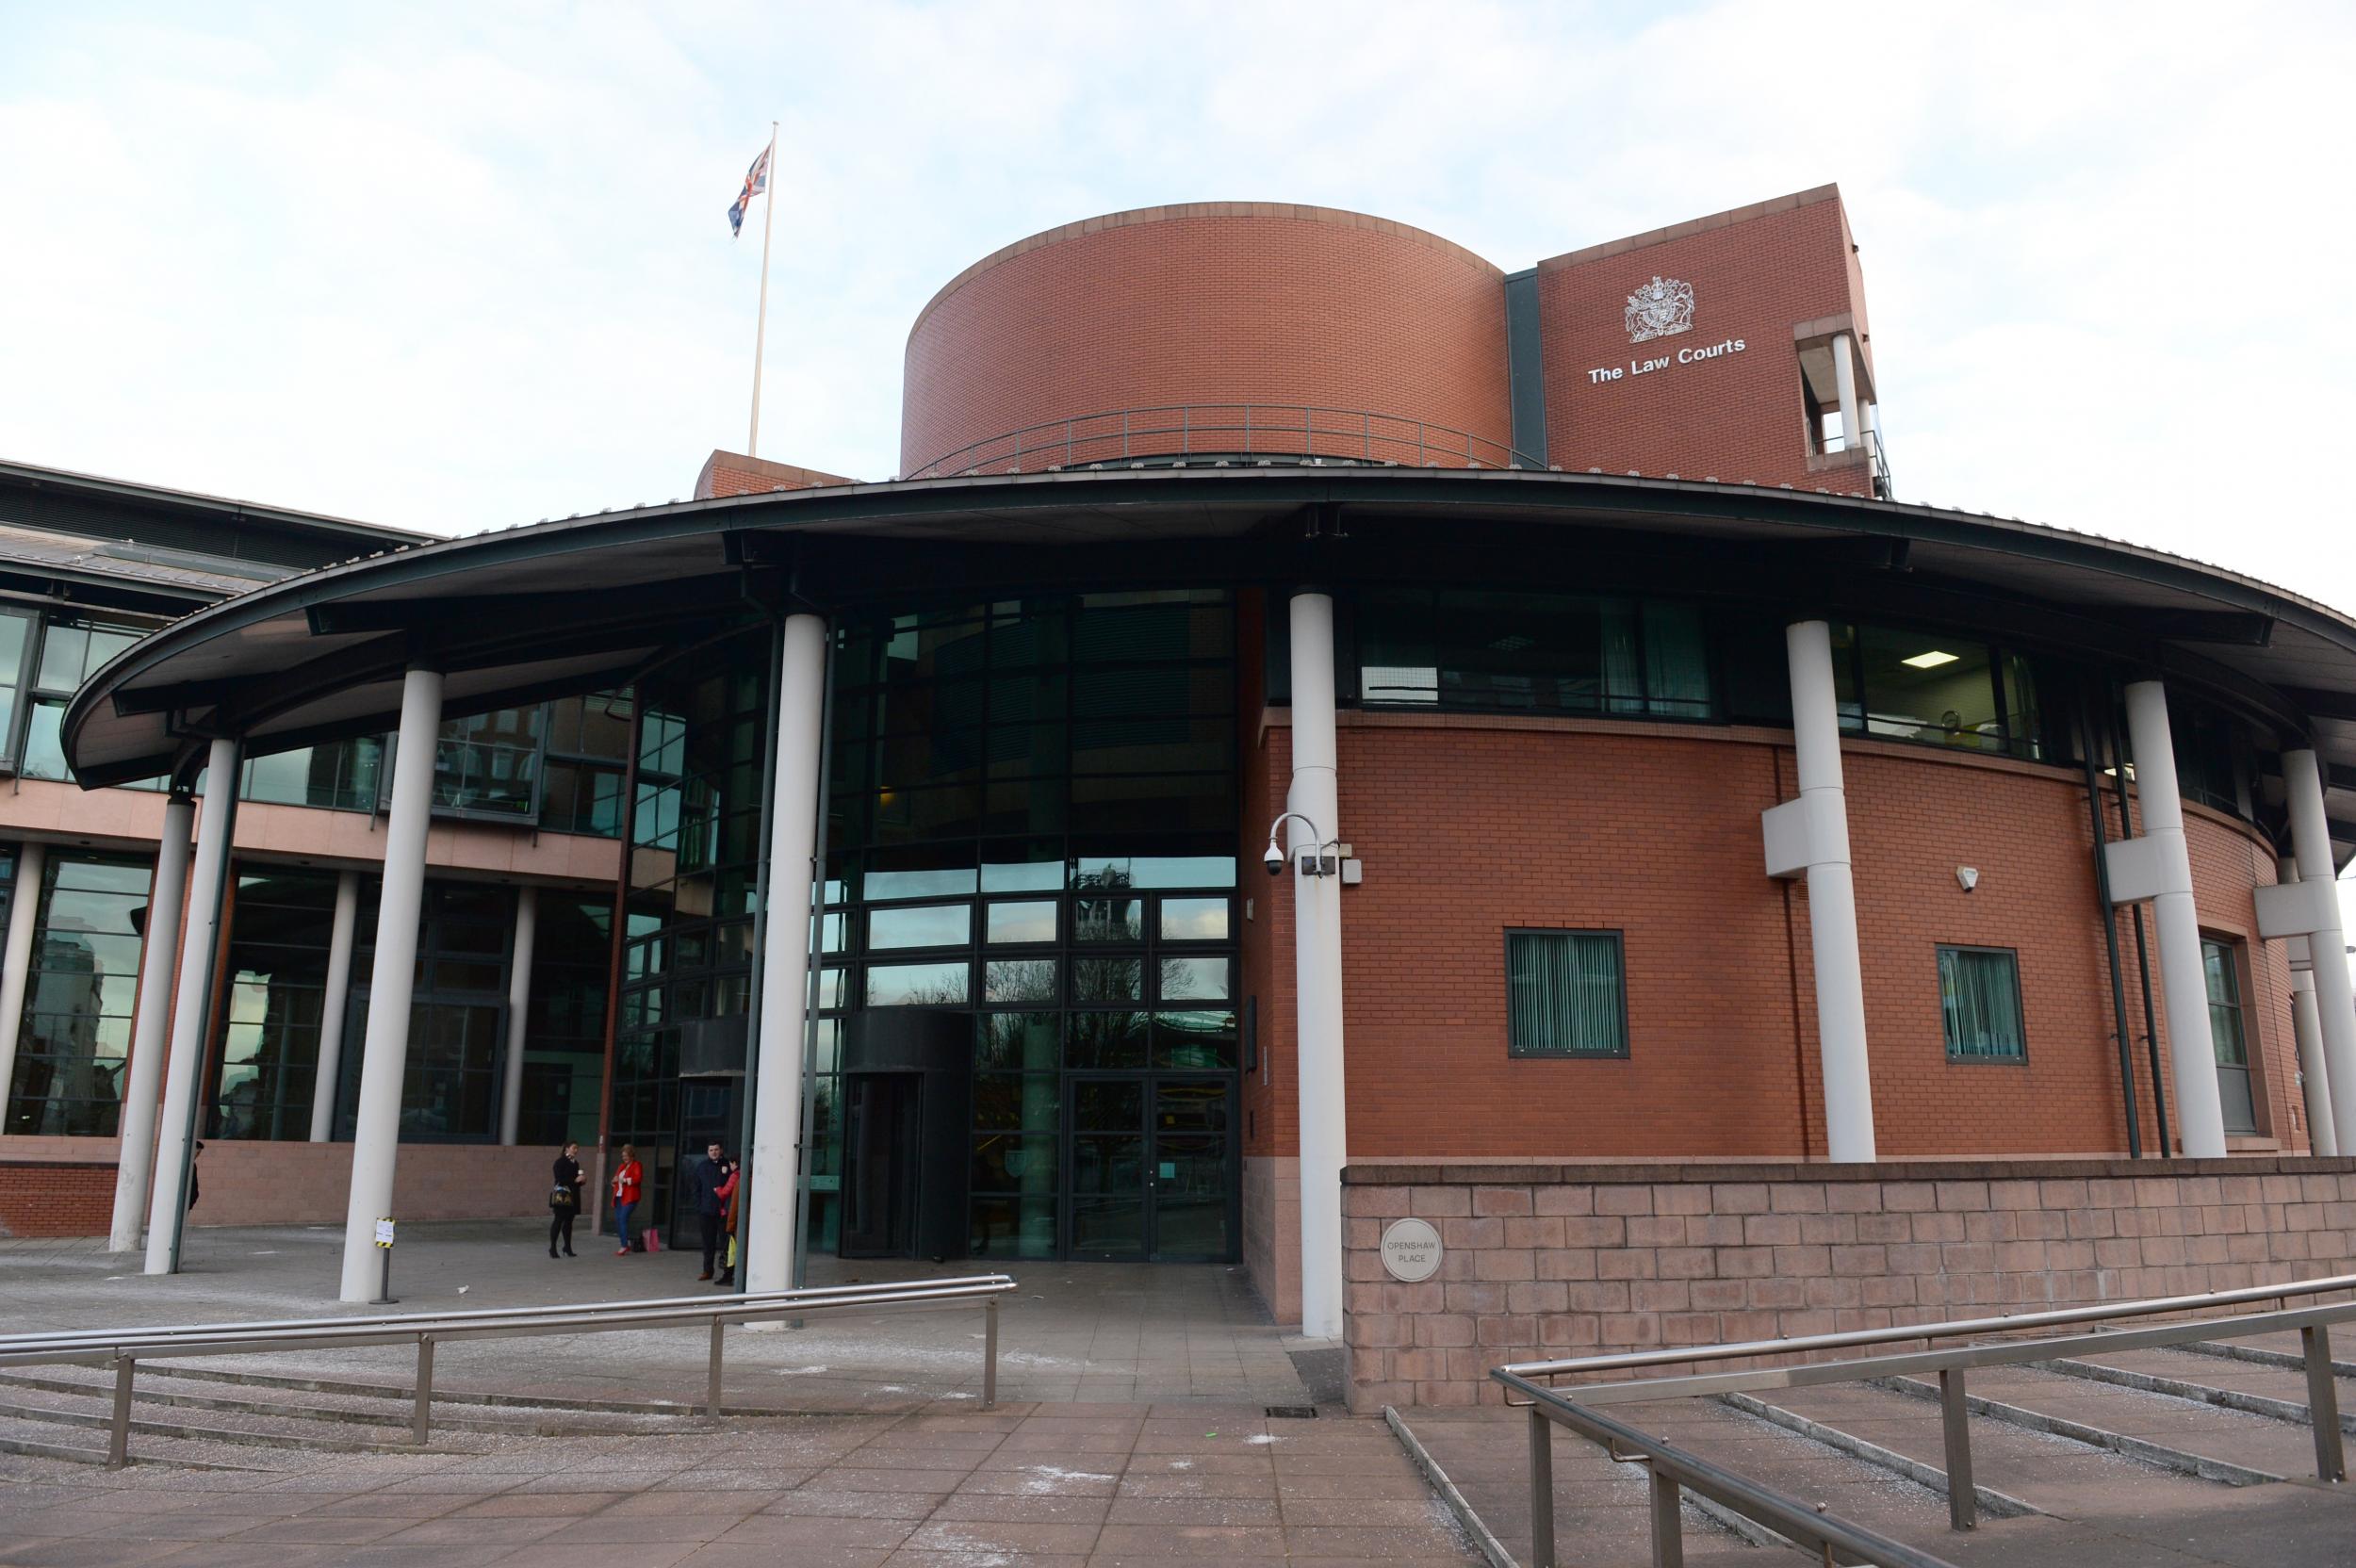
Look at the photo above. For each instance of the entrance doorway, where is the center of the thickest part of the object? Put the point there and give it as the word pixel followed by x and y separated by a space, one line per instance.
pixel 1149 1156
pixel 882 1130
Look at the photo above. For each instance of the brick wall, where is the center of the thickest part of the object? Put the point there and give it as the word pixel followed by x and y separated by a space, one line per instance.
pixel 727 473
pixel 1757 273
pixel 43 1198
pixel 1467 824
pixel 65 1186
pixel 1212 303
pixel 1554 1262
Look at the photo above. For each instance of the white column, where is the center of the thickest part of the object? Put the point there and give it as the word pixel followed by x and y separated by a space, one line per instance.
pixel 16 966
pixel 518 1012
pixel 193 1006
pixel 1823 813
pixel 384 1048
pixel 333 1006
pixel 2315 1078
pixel 2183 978
pixel 1318 969
pixel 775 1161
pixel 1845 383
pixel 2326 948
pixel 151 1037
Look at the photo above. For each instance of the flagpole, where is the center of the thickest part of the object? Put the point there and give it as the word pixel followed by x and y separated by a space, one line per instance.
pixel 760 329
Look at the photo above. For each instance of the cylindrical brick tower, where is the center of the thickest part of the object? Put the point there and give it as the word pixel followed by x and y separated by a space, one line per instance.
pixel 1211 307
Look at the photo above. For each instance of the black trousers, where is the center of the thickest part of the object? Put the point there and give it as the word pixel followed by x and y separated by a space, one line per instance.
pixel 712 1238
pixel 561 1229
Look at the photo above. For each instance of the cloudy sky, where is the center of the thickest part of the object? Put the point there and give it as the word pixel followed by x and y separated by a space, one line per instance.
pixel 458 265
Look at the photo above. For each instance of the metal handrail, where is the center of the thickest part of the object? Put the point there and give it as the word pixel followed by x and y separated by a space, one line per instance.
pixel 1259 433
pixel 122 1349
pixel 1550 1405
pixel 1674 1471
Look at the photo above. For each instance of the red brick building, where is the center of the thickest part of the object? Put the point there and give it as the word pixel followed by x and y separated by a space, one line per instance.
pixel 1649 792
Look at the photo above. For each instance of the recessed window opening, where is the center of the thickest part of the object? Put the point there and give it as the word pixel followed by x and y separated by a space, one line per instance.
pixel 1979 1004
pixel 1564 994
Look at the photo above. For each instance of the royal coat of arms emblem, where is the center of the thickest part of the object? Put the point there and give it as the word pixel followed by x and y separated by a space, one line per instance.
pixel 1659 308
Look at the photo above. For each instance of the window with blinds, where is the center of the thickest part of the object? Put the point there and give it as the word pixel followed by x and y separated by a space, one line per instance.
pixel 1564 994
pixel 1979 1004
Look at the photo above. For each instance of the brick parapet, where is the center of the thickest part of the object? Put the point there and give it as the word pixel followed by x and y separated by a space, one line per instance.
pixel 1548 1261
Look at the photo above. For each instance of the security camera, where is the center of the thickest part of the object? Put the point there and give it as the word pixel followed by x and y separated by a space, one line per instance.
pixel 1275 860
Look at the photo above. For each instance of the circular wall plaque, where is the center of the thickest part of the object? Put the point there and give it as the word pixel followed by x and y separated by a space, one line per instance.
pixel 1411 1250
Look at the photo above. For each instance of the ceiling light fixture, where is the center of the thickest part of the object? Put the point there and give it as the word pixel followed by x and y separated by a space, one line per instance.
pixel 1930 660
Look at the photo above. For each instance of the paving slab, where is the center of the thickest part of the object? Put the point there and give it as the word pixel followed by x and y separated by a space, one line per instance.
pixel 1073 1332
pixel 1028 1487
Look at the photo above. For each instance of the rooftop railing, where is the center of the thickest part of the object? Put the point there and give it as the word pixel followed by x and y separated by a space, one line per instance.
pixel 1235 434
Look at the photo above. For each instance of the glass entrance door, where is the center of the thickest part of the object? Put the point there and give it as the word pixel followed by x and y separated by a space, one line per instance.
pixel 1150 1158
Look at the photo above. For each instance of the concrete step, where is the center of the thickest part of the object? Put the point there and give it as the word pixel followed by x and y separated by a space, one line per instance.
pixel 314 1435
pixel 2259 1389
pixel 160 1385
pixel 48 1439
pixel 222 1370
pixel 2280 1351
pixel 2052 1475
pixel 1601 1506
pixel 2222 1445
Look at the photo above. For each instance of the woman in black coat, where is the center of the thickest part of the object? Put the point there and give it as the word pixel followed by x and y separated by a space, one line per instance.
pixel 561 1214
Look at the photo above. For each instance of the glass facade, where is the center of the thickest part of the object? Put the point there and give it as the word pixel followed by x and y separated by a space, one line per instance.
pixel 79 996
pixel 450 1087
pixel 269 1034
pixel 1032 825
pixel 1546 653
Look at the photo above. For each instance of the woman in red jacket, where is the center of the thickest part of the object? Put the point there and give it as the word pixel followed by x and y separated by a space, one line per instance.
pixel 627 1177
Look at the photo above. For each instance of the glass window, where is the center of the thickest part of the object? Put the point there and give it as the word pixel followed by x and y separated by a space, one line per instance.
pixel 45 748
pixel 1545 653
pixel 2221 962
pixel 1929 686
pixel 1108 979
pixel 1026 921
pixel 1979 1002
pixel 80 992
pixel 1194 920
pixel 921 925
pixel 342 776
pixel 16 631
pixel 945 985
pixel 1108 919
pixel 1563 995
pixel 1018 980
pixel 1194 979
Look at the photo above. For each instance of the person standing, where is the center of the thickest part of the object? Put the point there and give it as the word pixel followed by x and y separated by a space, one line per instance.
pixel 565 1199
pixel 628 1176
pixel 729 1191
pixel 703 1186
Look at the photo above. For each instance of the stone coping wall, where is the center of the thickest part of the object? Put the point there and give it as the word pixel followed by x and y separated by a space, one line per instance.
pixel 1547 1261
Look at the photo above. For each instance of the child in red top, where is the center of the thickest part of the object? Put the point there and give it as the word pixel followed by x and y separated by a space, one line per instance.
pixel 627 1177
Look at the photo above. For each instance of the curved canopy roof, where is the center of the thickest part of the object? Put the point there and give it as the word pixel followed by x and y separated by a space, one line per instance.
pixel 568 606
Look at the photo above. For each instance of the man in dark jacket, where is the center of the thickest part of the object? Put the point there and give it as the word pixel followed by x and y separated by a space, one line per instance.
pixel 703 1189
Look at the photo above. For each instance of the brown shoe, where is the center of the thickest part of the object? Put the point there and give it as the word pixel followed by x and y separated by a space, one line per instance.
pixel 705 1275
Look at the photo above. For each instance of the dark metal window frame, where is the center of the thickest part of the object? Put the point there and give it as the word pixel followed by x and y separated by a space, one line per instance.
pixel 1517 1052
pixel 2019 1008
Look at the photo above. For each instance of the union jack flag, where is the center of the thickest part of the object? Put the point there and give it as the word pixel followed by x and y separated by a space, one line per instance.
pixel 756 181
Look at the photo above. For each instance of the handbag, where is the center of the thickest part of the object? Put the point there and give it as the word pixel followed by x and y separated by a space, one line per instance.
pixel 560 1197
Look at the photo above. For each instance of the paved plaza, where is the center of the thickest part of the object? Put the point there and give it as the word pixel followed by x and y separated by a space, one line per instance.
pixel 1087 1331
pixel 1147 1415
